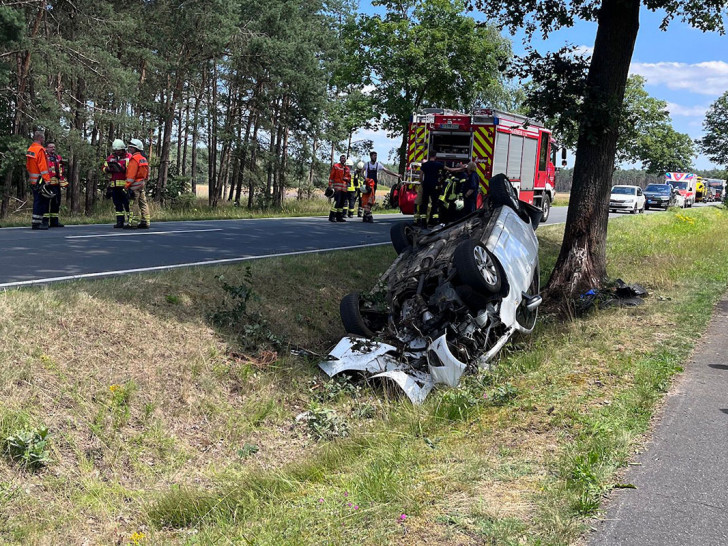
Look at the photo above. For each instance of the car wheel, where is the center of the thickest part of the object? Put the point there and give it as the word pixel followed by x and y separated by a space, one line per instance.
pixel 477 267
pixel 351 316
pixel 642 210
pixel 502 192
pixel 526 318
pixel 546 208
pixel 647 207
pixel 402 236
pixel 634 210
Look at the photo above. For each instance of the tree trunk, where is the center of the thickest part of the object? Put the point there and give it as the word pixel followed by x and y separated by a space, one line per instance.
pixel 186 137
pixel 253 163
pixel 581 264
pixel 195 136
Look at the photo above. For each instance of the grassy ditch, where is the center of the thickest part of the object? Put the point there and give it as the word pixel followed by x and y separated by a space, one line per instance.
pixel 179 415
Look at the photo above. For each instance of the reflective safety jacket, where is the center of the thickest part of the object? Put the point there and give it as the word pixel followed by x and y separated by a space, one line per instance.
pixel 116 167
pixel 37 164
pixel 55 169
pixel 355 182
pixel 339 177
pixel 137 172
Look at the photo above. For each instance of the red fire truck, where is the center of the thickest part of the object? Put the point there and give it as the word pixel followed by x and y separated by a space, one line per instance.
pixel 498 142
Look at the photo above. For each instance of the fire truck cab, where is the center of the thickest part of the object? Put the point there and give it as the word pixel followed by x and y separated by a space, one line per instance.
pixel 498 142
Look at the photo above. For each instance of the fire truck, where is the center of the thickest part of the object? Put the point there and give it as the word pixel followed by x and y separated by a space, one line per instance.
pixel 685 184
pixel 498 142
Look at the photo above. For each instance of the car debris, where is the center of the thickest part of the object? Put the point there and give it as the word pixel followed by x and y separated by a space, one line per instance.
pixel 449 302
pixel 618 294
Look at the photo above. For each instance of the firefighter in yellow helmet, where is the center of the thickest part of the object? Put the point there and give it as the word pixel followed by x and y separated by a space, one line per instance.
pixel 354 187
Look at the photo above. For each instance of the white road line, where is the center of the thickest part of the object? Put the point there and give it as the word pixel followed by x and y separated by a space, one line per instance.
pixel 141 233
pixel 176 266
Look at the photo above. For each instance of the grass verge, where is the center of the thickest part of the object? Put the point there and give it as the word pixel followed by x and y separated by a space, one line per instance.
pixel 178 414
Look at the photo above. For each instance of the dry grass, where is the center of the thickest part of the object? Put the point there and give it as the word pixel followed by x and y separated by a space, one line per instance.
pixel 151 404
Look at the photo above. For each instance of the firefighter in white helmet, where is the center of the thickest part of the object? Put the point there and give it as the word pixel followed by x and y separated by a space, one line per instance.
pixel 115 167
pixel 137 174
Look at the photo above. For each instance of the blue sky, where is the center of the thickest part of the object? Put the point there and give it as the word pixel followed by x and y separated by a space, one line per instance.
pixel 684 67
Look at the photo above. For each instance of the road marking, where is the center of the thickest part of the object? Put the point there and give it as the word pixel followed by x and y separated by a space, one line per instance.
pixel 141 233
pixel 176 266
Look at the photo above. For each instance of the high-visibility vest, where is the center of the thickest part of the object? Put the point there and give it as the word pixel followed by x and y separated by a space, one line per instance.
pixel 137 172
pixel 356 182
pixel 37 164
pixel 55 169
pixel 338 178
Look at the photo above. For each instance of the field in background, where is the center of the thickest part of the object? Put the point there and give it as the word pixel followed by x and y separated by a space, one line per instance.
pixel 179 414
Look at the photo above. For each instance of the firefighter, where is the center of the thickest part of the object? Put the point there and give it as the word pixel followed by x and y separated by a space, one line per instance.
pixel 368 196
pixel 37 165
pixel 115 167
pixel 57 181
pixel 338 181
pixel 137 173
pixel 353 190
pixel 430 170
pixel 471 188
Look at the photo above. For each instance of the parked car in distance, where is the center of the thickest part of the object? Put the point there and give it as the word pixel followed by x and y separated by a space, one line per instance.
pixel 662 196
pixel 628 198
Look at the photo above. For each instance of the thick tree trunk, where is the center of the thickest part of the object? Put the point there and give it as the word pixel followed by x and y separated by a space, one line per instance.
pixel 252 166
pixel 581 264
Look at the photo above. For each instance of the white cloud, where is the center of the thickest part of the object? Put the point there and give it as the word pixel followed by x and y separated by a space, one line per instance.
pixel 706 78
pixel 584 50
pixel 686 111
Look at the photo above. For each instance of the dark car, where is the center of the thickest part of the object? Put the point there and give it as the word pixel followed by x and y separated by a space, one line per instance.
pixel 659 196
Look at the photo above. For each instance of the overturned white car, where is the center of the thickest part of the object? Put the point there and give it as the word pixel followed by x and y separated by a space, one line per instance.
pixel 450 301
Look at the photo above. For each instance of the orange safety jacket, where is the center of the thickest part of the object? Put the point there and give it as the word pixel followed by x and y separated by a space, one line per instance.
pixel 36 164
pixel 339 177
pixel 137 172
pixel 55 169
pixel 116 167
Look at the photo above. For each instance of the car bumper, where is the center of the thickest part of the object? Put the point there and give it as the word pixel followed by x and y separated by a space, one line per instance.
pixel 622 206
pixel 657 202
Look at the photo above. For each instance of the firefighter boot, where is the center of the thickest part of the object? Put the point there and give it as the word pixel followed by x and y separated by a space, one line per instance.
pixel 332 216
pixel 44 224
pixel 143 225
pixel 55 222
pixel 340 217
pixel 359 212
pixel 119 222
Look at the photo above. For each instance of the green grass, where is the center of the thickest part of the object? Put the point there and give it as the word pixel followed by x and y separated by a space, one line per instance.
pixel 199 441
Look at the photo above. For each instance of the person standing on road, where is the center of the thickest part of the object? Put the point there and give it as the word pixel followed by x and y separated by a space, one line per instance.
pixel 37 165
pixel 338 181
pixel 115 167
pixel 471 188
pixel 368 196
pixel 372 168
pixel 353 189
pixel 57 181
pixel 137 173
pixel 430 170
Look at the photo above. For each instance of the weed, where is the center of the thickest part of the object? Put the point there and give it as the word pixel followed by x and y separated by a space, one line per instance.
pixel 324 423
pixel 365 411
pixel 171 298
pixel 456 405
pixel 503 394
pixel 247 450
pixel 28 448
pixel 333 389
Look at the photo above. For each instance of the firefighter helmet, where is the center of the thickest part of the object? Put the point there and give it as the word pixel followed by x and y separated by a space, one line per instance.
pixel 136 143
pixel 46 191
pixel 118 144
pixel 349 162
pixel 329 192
pixel 360 165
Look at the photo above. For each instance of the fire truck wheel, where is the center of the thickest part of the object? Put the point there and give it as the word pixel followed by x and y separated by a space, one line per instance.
pixel 546 208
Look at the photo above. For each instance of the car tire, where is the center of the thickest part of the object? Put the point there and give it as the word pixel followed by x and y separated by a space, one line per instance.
pixel 647 207
pixel 526 318
pixel 351 316
pixel 502 193
pixel 546 208
pixel 634 210
pixel 401 235
pixel 477 267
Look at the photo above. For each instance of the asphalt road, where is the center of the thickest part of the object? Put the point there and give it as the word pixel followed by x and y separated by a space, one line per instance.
pixel 681 495
pixel 35 257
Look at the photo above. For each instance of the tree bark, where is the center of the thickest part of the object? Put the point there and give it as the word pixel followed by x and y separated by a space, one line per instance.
pixel 581 264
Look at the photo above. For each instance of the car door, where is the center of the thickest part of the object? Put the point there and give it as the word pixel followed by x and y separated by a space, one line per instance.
pixel 640 199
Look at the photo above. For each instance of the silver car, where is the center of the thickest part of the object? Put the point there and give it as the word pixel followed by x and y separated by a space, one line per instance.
pixel 450 301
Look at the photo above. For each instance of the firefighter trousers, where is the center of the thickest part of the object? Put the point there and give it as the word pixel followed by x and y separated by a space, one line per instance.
pixel 54 205
pixel 340 202
pixel 141 199
pixel 351 199
pixel 121 204
pixel 430 195
pixel 40 207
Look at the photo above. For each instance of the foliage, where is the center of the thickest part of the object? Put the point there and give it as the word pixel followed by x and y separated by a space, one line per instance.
pixel 28 448
pixel 424 53
pixel 324 423
pixel 715 142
